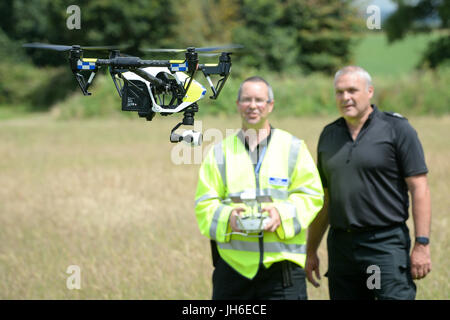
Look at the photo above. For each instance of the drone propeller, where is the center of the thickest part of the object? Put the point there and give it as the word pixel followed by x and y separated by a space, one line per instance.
pixel 221 48
pixel 201 54
pixel 210 54
pixel 202 49
pixel 58 47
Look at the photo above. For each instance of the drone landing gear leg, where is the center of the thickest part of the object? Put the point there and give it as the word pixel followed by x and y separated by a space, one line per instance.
pixel 189 136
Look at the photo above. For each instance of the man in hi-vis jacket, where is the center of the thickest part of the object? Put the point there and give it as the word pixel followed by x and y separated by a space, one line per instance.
pixel 264 161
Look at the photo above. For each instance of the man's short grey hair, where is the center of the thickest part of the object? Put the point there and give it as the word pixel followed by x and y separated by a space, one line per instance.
pixel 354 69
pixel 256 79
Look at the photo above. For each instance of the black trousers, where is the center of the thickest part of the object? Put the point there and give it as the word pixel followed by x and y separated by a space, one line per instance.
pixel 370 265
pixel 282 281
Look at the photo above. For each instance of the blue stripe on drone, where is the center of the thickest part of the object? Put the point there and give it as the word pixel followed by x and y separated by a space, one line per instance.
pixel 85 65
pixel 178 67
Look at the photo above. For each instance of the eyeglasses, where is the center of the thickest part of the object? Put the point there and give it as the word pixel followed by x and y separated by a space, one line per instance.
pixel 259 102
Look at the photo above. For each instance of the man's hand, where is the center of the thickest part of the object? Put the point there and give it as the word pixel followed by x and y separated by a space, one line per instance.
pixel 312 264
pixel 420 261
pixel 275 220
pixel 233 219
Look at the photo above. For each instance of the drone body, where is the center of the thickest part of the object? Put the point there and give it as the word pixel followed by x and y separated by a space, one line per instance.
pixel 138 94
pixel 153 86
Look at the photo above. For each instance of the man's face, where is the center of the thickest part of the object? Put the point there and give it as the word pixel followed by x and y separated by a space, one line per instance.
pixel 352 95
pixel 253 106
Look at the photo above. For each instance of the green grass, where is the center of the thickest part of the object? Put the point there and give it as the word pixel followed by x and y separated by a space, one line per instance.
pixel 16 111
pixel 107 196
pixel 380 58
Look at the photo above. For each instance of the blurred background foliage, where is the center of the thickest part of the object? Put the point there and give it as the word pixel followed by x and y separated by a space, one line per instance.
pixel 296 44
pixel 422 16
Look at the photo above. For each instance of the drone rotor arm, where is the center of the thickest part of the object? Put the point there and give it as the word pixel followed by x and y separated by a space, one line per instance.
pixel 158 83
pixel 219 87
pixel 78 64
pixel 132 62
pixel 115 76
pixel 223 69
pixel 211 85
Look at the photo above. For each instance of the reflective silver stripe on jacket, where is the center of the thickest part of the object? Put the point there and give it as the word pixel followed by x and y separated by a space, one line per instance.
pixel 293 214
pixel 274 193
pixel 215 221
pixel 220 160
pixel 305 190
pixel 207 196
pixel 293 154
pixel 268 246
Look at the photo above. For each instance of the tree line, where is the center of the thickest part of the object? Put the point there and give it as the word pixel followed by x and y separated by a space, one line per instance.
pixel 314 35
pixel 311 35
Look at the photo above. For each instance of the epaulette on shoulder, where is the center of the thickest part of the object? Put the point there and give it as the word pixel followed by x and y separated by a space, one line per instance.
pixel 394 114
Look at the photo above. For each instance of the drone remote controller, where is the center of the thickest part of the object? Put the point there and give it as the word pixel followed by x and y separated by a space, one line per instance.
pixel 255 222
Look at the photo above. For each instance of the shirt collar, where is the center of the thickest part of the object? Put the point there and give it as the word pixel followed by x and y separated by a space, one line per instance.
pixel 264 142
pixel 374 113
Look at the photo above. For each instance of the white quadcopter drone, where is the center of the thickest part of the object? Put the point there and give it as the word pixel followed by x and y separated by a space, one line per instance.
pixel 153 86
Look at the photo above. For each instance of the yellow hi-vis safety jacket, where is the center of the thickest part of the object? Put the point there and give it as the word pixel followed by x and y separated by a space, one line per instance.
pixel 287 173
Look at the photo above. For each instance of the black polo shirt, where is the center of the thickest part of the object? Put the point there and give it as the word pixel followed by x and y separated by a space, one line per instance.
pixel 365 178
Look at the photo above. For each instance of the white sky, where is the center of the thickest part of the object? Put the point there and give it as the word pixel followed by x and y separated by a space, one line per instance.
pixel 386 6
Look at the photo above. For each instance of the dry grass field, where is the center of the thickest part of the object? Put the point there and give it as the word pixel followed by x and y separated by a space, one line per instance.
pixel 106 195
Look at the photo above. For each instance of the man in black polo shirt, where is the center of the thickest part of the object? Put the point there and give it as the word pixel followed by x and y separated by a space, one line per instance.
pixel 368 160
